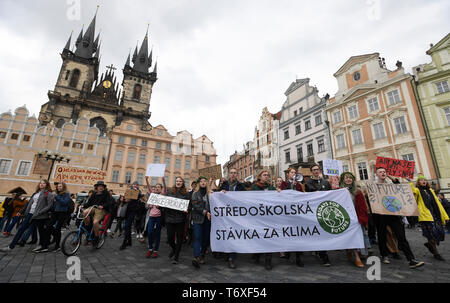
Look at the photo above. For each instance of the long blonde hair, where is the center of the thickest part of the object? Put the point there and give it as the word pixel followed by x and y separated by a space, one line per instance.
pixel 197 186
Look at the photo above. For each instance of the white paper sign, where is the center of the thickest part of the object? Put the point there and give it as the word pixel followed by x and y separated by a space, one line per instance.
pixel 269 221
pixel 155 170
pixel 168 202
pixel 332 167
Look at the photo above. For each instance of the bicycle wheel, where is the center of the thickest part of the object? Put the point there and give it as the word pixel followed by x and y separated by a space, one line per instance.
pixel 71 243
pixel 101 241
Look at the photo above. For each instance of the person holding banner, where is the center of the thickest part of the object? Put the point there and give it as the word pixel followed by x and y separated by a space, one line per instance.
pixel 432 215
pixel 292 184
pixel 232 184
pixel 317 183
pixel 263 183
pixel 201 218
pixel 395 223
pixel 347 180
pixel 175 220
pixel 154 220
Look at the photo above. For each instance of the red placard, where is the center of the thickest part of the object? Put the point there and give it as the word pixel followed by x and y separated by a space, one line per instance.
pixel 397 167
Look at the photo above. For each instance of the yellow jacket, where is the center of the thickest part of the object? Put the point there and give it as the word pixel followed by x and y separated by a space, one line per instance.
pixel 424 212
pixel 2 210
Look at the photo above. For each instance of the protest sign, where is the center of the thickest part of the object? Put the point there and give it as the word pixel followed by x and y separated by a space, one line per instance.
pixel 396 167
pixel 155 170
pixel 168 202
pixel 77 175
pixel 392 199
pixel 212 172
pixel 131 194
pixel 269 221
pixel 332 167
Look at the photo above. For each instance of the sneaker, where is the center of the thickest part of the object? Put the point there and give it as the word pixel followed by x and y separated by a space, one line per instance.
pixel 174 261
pixel 195 262
pixel 439 257
pixel 385 260
pixel 231 264
pixel 56 249
pixel 149 253
pixel 155 254
pixel 414 264
pixel 21 243
pixel 171 254
pixel 37 249
pixel 201 259
pixel 5 249
pixel 326 262
pixel 42 250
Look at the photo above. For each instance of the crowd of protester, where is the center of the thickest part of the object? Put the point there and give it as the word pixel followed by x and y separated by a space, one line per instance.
pixel 48 212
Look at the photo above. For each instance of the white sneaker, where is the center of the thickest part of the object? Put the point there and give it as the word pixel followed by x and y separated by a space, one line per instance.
pixel 37 249
pixel 5 249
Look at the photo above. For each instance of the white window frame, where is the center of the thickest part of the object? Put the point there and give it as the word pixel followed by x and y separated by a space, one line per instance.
pixel 375 137
pixel 140 178
pixel 133 141
pixel 351 112
pixel 142 158
pixel 369 105
pixel 114 176
pixel 365 167
pixel 391 97
pixel 337 114
pixel 177 163
pixel 338 145
pixel 447 115
pixel 121 140
pixel 19 166
pixel 442 87
pixel 405 125
pixel 360 138
pixel 186 166
pixel 318 117
pixel 318 145
pixel 10 165
pixel 134 157
pixel 121 155
pixel 130 173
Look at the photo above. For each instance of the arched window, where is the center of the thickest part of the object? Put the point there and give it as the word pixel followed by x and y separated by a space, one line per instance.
pixel 137 91
pixel 100 123
pixel 75 78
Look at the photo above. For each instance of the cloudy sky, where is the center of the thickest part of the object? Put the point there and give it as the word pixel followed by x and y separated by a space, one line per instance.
pixel 219 62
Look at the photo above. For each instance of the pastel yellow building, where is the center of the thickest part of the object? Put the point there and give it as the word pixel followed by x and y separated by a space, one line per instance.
pixel 433 89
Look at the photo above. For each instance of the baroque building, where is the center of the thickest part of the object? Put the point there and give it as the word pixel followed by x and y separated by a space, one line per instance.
pixel 433 90
pixel 375 113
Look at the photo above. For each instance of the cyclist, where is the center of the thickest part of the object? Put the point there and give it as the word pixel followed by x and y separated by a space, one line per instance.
pixel 102 199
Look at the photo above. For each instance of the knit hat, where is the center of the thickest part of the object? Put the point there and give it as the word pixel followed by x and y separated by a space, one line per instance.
pixel 420 176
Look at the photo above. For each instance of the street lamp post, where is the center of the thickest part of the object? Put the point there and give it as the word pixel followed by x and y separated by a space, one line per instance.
pixel 54 157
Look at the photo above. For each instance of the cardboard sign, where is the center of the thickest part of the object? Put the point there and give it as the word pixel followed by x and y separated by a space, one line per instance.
pixel 168 202
pixel 396 167
pixel 392 199
pixel 76 175
pixel 155 170
pixel 212 172
pixel 332 167
pixel 131 194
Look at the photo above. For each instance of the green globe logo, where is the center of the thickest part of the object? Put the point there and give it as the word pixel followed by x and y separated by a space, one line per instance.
pixel 392 204
pixel 332 217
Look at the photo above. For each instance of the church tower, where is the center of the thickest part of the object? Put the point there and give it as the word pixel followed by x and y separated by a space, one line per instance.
pixel 138 80
pixel 80 68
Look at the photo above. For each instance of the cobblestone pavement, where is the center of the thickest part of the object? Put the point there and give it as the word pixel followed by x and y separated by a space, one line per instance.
pixel 111 265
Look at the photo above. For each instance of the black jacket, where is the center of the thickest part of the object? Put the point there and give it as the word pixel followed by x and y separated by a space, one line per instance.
pixel 172 215
pixel 102 200
pixel 199 206
pixel 317 185
pixel 226 186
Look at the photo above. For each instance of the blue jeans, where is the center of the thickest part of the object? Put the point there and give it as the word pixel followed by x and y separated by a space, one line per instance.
pixel 31 231
pixel 23 227
pixel 201 237
pixel 2 222
pixel 11 225
pixel 154 222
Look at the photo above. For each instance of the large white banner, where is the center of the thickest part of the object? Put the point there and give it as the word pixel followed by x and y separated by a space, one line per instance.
pixel 269 221
pixel 168 202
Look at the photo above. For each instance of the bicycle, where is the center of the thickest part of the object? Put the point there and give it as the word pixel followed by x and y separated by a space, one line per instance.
pixel 72 241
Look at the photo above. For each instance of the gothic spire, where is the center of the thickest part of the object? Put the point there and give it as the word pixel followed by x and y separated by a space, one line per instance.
pixel 128 60
pixel 87 47
pixel 69 42
pixel 142 59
